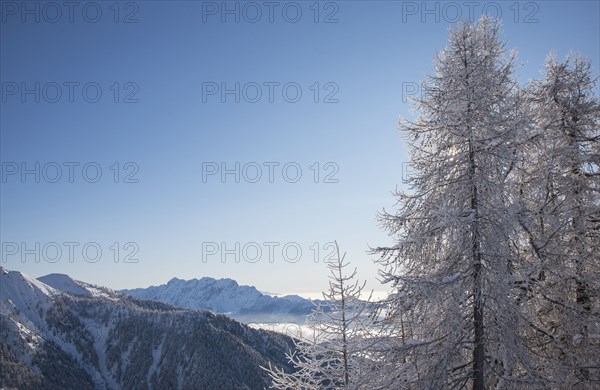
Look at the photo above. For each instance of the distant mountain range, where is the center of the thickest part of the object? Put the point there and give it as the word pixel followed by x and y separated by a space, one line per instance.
pixel 226 296
pixel 58 333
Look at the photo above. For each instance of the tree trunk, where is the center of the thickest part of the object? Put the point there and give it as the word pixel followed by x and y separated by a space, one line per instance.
pixel 479 348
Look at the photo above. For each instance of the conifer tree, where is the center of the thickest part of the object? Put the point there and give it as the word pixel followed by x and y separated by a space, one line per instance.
pixel 561 222
pixel 453 265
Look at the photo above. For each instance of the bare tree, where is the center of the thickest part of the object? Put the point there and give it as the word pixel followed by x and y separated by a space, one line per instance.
pixel 334 353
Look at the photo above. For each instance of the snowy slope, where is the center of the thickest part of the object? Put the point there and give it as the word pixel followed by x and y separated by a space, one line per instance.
pixel 64 283
pixel 89 337
pixel 24 295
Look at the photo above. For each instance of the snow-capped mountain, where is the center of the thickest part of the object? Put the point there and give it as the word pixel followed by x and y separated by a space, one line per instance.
pixel 64 283
pixel 66 334
pixel 244 303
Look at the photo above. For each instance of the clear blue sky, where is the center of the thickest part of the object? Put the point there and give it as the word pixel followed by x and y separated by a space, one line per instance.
pixel 172 58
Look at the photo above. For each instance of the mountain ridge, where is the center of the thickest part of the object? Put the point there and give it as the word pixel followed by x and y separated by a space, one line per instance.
pixel 226 296
pixel 104 340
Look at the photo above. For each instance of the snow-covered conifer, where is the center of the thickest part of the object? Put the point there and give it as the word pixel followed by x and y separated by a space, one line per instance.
pixel 453 265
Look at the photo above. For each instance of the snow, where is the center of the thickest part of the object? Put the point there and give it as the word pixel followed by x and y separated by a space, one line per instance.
pixel 25 296
pixel 31 338
pixel 226 296
pixel 451 278
pixel 64 283
pixel 98 292
pixel 156 356
pixel 413 342
pixel 28 329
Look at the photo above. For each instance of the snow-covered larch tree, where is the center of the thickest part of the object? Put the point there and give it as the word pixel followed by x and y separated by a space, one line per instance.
pixel 332 354
pixel 561 220
pixel 452 266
